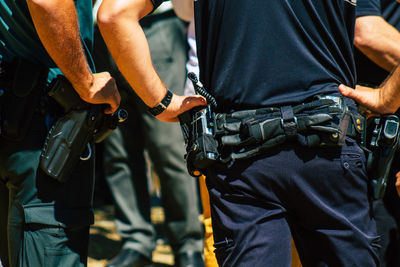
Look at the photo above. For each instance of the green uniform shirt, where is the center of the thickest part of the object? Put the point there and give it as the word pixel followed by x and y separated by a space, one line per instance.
pixel 18 37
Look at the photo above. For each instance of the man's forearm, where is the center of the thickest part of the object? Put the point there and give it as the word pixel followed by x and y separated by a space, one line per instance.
pixel 390 91
pixel 118 21
pixel 378 40
pixel 56 23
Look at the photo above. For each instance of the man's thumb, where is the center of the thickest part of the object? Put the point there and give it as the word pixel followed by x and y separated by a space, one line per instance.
pixel 346 91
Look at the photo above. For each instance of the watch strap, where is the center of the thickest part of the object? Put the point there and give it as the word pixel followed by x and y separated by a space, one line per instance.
pixel 162 105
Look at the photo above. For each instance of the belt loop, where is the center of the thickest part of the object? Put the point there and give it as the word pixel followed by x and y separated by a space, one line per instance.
pixel 344 124
pixel 288 121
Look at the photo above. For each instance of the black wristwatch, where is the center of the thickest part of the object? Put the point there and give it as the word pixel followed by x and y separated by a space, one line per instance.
pixel 162 105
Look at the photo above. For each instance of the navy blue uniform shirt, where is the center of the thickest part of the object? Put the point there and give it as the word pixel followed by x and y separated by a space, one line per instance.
pixel 256 53
pixel 367 71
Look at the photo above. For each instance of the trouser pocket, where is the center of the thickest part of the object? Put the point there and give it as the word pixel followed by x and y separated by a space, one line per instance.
pixel 46 245
pixel 51 241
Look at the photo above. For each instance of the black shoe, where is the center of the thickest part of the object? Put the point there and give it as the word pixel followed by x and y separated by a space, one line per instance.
pixel 189 259
pixel 129 258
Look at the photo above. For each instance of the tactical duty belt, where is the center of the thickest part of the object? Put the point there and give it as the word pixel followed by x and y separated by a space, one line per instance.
pixel 325 121
pixel 219 137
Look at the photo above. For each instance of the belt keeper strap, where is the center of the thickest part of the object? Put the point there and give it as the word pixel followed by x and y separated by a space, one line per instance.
pixel 288 121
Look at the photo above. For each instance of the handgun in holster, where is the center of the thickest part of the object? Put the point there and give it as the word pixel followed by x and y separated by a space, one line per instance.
pixel 73 133
pixel 197 127
pixel 382 143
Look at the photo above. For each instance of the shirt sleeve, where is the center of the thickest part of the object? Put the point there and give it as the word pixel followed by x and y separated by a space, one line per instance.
pixel 368 8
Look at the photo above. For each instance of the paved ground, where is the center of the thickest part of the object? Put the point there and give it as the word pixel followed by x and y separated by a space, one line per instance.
pixel 105 243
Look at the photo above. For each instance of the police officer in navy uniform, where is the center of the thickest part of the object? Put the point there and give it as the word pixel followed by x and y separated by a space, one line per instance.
pixel 46 221
pixel 282 56
pixel 377 38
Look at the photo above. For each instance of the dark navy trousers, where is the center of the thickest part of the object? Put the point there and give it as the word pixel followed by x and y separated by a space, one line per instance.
pixel 317 195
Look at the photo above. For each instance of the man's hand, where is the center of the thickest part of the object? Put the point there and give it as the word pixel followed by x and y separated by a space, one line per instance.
pixel 385 99
pixel 101 90
pixel 179 105
pixel 398 183
pixel 373 99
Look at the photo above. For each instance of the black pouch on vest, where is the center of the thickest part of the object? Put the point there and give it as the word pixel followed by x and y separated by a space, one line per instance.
pixel 21 98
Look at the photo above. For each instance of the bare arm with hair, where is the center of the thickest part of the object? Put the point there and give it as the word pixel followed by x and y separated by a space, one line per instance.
pixel 56 23
pixel 118 21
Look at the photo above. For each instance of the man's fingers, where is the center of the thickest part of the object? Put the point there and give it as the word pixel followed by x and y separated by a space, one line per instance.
pixel 193 101
pixel 398 183
pixel 110 110
pixel 113 105
pixel 179 105
pixel 115 100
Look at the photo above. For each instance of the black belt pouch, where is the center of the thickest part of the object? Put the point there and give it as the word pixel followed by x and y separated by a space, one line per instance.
pixel 26 82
